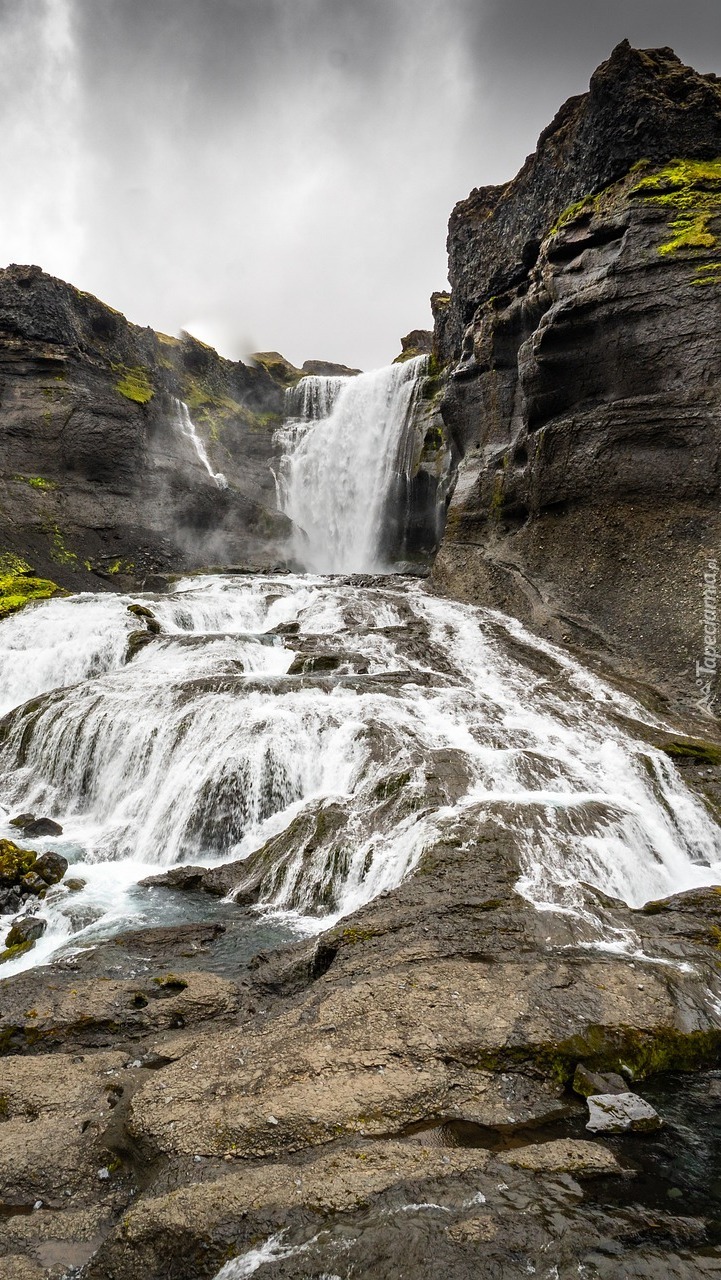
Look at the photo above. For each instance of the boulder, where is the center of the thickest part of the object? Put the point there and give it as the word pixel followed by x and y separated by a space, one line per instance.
pixel 22 820
pixel 588 1082
pixel 26 929
pixel 74 884
pixel 42 827
pixel 34 884
pixel 51 866
pixel 621 1113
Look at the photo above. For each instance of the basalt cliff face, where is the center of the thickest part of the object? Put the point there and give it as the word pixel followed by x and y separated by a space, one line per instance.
pixel 582 338
pixel 100 486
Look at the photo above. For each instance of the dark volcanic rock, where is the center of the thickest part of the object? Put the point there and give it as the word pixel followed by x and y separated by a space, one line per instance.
pixel 99 487
pixel 326 369
pixel 419 342
pixel 41 827
pixel 582 329
pixel 51 866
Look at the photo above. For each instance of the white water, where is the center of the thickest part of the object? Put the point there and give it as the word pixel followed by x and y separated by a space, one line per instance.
pixel 204 747
pixel 187 427
pixel 345 442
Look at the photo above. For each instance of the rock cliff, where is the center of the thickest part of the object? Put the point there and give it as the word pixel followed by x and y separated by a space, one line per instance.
pixel 99 483
pixel 582 338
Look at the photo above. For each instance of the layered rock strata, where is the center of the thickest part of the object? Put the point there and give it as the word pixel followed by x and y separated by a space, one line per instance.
pixel 99 483
pixel 582 338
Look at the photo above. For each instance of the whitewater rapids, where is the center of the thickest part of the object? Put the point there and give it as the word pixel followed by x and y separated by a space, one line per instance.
pixel 382 714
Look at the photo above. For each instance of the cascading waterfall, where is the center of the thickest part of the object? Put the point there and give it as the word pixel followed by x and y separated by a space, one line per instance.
pixel 328 757
pixel 187 428
pixel 346 442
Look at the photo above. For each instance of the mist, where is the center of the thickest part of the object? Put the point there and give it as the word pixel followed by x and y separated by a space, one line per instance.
pixel 278 174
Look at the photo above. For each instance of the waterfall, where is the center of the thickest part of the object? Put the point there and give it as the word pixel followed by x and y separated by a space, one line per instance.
pixel 347 443
pixel 327 755
pixel 187 427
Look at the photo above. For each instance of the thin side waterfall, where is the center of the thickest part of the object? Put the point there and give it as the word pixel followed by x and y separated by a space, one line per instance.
pixel 347 444
pixel 187 427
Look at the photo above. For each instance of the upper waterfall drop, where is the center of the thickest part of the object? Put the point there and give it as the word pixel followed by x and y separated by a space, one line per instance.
pixel 348 448
pixel 187 427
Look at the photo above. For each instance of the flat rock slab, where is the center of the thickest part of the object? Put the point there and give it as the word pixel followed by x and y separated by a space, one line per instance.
pixel 621 1113
pixel 565 1155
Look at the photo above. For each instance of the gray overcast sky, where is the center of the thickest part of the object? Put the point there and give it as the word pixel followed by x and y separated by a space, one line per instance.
pixel 279 173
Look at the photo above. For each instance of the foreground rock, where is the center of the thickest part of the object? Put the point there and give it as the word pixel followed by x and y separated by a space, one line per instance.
pixel 191 1116
pixel 621 1113
pixel 581 338
pixel 25 875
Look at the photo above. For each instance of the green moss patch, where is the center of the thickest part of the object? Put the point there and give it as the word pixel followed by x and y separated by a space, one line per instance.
pixel 579 208
pixel 690 191
pixel 37 482
pixel 12 953
pixel 19 586
pixel 134 383
pixel 59 552
pixel 14 861
pixel 696 749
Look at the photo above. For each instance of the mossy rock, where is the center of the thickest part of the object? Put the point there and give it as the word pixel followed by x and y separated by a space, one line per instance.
pixel 14 862
pixel 690 191
pixel 696 749
pixel 19 585
pixel 280 369
pixel 12 953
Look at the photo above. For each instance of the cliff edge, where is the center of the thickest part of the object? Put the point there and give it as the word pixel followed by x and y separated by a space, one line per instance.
pixel 582 338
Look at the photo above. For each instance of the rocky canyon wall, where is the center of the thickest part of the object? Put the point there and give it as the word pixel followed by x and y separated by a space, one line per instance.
pixel 582 339
pixel 99 484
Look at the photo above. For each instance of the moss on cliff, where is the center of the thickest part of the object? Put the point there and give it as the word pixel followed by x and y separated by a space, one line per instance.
pixel 59 552
pixel 37 482
pixel 690 190
pixel 134 383
pixel 19 586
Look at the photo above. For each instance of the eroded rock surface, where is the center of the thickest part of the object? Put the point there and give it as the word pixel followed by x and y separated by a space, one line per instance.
pixel 581 337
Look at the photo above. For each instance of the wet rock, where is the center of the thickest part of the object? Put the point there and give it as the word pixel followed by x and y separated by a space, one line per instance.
pixel 26 929
pixel 33 884
pixel 137 640
pixel 42 827
pixel 10 901
pixel 74 884
pixel 312 663
pixel 82 915
pixel 165 943
pixel 12 953
pixel 217 881
pixel 587 1082
pixel 51 867
pixel 334 1182
pixel 22 820
pixel 621 1113
pixel 141 611
pixel 565 1155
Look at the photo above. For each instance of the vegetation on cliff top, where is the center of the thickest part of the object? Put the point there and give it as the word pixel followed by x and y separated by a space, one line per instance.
pixel 18 585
